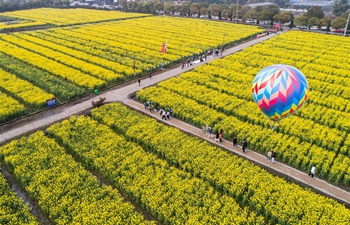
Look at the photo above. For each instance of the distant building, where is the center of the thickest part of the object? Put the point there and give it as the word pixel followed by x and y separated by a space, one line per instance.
pixel 325 5
pixel 260 4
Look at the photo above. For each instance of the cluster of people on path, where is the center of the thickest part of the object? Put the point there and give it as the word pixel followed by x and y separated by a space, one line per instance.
pixel 149 105
pixel 207 130
pixel 219 136
pixel 190 61
pixel 203 58
pixel 165 114
pixel 216 51
pixel 271 156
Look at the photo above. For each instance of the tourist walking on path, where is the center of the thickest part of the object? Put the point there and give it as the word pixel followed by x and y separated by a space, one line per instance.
pixel 139 82
pixel 312 171
pixel 269 155
pixel 163 115
pixel 273 156
pixel 146 104
pixel 217 136
pixel 168 115
pixel 210 132
pixel 171 113
pixel 220 137
pixel 245 145
pixel 204 130
pixel 234 141
pixel 150 107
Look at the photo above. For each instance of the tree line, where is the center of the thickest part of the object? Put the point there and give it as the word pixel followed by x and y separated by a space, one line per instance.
pixel 227 9
pixel 271 13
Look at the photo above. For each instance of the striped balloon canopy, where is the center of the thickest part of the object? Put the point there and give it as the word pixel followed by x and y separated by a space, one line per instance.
pixel 280 90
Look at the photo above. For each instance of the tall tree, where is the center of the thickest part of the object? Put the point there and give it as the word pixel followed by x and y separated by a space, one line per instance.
pixel 176 9
pixel 185 8
pixel 122 4
pixel 283 17
pixel 214 9
pixel 312 22
pixel 194 8
pixel 268 12
pixel 323 22
pixel 291 25
pixel 315 11
pixel 340 7
pixel 244 9
pixel 234 11
pixel 225 10
pixel 203 10
pixel 259 8
pixel 338 23
pixel 301 21
pixel 345 16
pixel 158 6
pixel 131 5
pixel 329 25
pixel 169 6
pixel 251 14
pixel 203 4
pixel 226 13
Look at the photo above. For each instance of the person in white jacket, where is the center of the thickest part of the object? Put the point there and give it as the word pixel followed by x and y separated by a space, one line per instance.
pixel 312 171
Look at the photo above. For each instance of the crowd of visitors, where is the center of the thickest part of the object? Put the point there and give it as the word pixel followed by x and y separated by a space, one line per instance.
pixel 191 61
pixel 165 114
pixel 208 130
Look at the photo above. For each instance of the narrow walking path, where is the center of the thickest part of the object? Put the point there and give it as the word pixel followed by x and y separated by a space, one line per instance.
pixel 119 94
pixel 284 170
pixel 122 94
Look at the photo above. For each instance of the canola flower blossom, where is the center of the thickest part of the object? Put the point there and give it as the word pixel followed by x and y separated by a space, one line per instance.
pixel 220 95
pixel 71 61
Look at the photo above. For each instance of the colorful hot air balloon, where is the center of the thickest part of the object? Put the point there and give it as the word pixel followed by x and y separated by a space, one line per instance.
pixel 280 90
